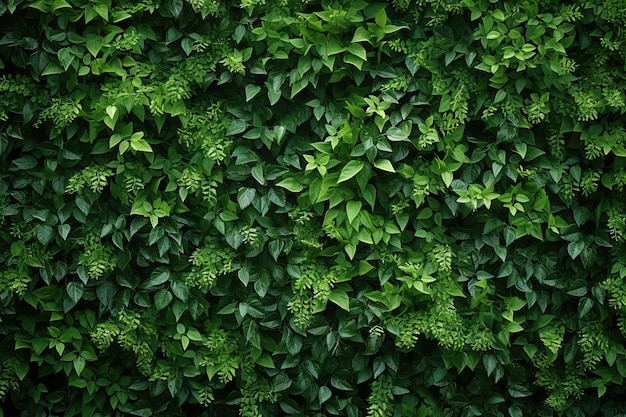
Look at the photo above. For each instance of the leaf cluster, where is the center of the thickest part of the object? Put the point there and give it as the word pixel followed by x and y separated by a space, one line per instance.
pixel 327 208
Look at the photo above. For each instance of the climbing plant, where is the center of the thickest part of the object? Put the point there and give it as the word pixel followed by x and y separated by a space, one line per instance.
pixel 312 208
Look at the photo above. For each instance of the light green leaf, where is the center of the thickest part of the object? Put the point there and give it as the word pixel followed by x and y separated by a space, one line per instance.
pixel 358 50
pixel 140 145
pixel 384 165
pixel 341 298
pixel 291 184
pixel 361 35
pixel 352 209
pixel 350 170
pixel 251 91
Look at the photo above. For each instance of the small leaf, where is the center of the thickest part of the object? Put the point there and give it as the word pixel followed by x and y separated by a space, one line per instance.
pixel 75 290
pixel 381 18
pixel 59 4
pixel 350 249
pixel 518 391
pixel 352 209
pixel 350 170
pixel 245 197
pixel 44 233
pixel 384 165
pixel 340 298
pixel 158 277
pixel 53 68
pixel 361 34
pixel 79 365
pixel 64 230
pixel 140 145
pixel 358 50
pixel 187 45
pixel 575 248
pixel 324 394
pixel 111 111
pixel 162 299
pixel 291 184
pixel 251 91
pixel 281 382
pixel 490 363
pixel 266 361
pixel 236 126
pixel 94 44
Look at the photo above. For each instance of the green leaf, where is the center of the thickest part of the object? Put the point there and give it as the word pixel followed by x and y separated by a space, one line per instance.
pixel 44 233
pixel 281 382
pixel 180 290
pixel 575 248
pixel 140 145
pixel 162 299
pixel 352 209
pixel 381 18
pixel 75 290
pixel 518 391
pixel 354 60
pixel 158 277
pixel 103 10
pixel 358 50
pixel 361 35
pixel 265 360
pixel 384 165
pixel 59 4
pixel 350 249
pixel 251 91
pixel 340 298
pixel 53 68
pixel 324 394
pixel 396 134
pixel 79 365
pixel 291 184
pixel 94 44
pixel 350 170
pixel 245 197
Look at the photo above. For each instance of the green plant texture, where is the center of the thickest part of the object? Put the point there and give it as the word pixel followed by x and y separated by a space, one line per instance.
pixel 312 208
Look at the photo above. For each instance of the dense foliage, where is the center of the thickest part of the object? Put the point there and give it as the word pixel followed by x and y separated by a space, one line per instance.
pixel 312 208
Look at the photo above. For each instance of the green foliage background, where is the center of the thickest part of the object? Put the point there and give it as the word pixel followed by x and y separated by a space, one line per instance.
pixel 312 208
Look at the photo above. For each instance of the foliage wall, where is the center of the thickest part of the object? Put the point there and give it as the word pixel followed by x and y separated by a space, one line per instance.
pixel 312 208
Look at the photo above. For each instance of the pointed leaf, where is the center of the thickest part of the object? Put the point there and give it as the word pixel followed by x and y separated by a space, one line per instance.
pixel 350 170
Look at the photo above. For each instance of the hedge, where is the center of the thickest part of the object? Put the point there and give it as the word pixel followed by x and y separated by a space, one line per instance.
pixel 312 208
